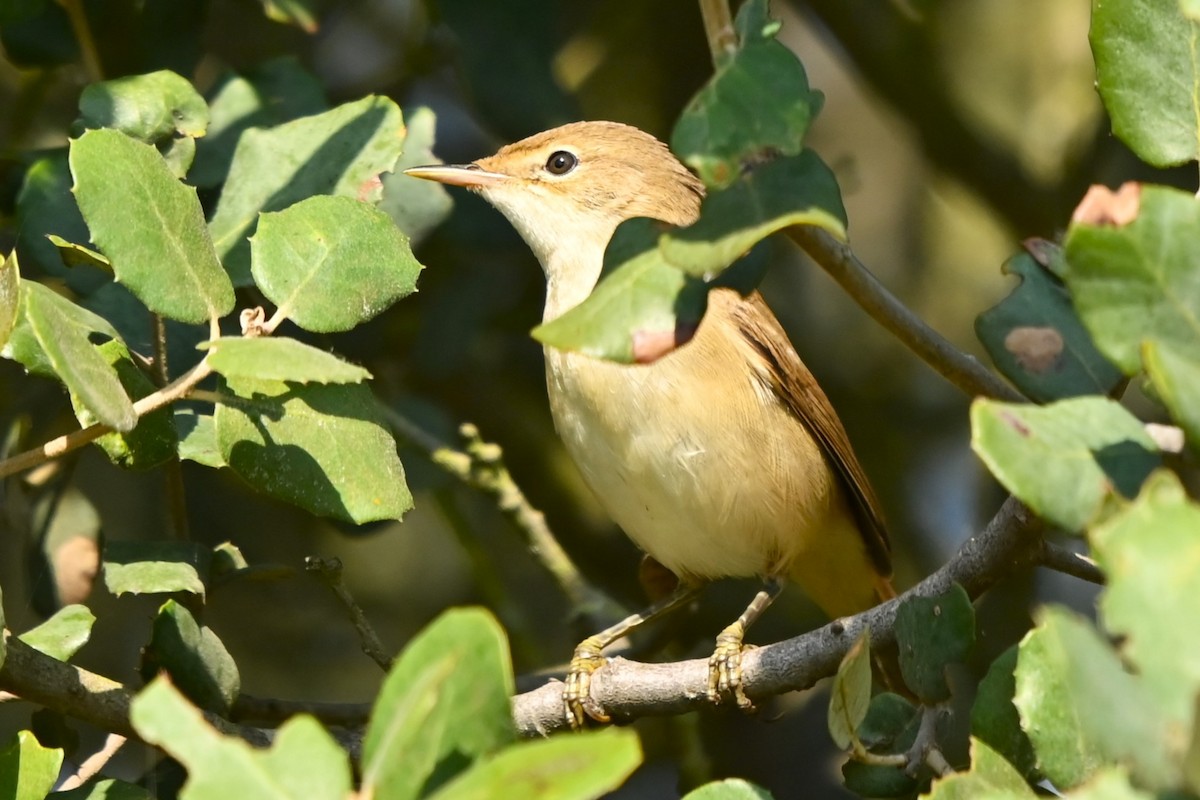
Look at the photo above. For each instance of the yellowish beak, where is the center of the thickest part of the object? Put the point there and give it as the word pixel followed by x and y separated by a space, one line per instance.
pixel 469 175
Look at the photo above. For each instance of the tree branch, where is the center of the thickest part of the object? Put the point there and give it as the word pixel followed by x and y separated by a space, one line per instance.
pixel 629 689
pixel 864 288
pixel 329 572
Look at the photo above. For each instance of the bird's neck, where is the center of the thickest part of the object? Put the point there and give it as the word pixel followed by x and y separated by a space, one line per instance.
pixel 572 269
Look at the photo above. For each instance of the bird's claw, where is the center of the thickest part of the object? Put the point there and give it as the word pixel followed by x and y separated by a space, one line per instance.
pixel 725 668
pixel 578 704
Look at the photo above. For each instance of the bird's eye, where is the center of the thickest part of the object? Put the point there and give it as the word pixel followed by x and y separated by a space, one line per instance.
pixel 561 162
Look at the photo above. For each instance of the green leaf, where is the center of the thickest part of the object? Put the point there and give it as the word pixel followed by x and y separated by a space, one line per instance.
pixel 196 660
pixel 63 634
pixel 278 90
pixel 1112 783
pixel 729 789
pixel 147 107
pixel 45 206
pixel 994 718
pixel 417 207
pixel 198 438
pixel 758 105
pixel 1063 459
pixel 1136 43
pixel 1150 554
pixel 68 555
pixel 330 263
pixel 279 360
pixel 1037 341
pixel 300 13
pixel 325 448
pixel 340 152
pixel 109 789
pixel 576 767
pixel 74 255
pixel 303 763
pixel 890 718
pixel 990 776
pixel 155 567
pixel 28 770
pixel 650 298
pixel 637 313
pixel 152 441
pixel 444 704
pixel 1140 281
pixel 10 296
pixel 1083 711
pixel 932 633
pixel 1175 374
pixel 851 692
pixel 62 331
pixel 150 226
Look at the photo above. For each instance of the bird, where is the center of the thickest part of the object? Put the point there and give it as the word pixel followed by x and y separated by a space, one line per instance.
pixel 721 459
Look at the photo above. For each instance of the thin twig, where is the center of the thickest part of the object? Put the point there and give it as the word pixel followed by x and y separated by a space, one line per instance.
pixel 329 571
pixel 481 465
pixel 247 708
pixel 864 288
pixel 1068 562
pixel 924 748
pixel 54 448
pixel 718 29
pixel 83 35
pixel 95 762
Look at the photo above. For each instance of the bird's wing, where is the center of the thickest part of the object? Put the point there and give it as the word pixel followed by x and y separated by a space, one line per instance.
pixel 799 391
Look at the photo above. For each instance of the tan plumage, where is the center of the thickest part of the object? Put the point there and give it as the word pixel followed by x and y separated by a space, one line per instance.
pixel 723 458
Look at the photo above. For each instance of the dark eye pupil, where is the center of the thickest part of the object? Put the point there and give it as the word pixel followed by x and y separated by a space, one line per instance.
pixel 561 163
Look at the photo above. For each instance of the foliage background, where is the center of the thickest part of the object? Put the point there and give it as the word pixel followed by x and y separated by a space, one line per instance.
pixel 1017 74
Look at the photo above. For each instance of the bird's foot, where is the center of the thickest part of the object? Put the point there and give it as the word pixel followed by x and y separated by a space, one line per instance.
pixel 725 668
pixel 578 704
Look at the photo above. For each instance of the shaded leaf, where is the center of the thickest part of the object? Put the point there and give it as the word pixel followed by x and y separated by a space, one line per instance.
pixel 1112 783
pixel 10 296
pixel 1150 554
pixel 994 718
pixel 561 768
pixel 416 734
pixel 889 719
pixel 1136 282
pixel 417 207
pixel 756 106
pixel 109 789
pixel 155 567
pixel 303 763
pixel 330 263
pixel 45 206
pixel 279 360
pixel 729 789
pixel 62 332
pixel 325 448
pixel 1135 44
pixel 150 226
pixel 63 634
pixel 340 152
pixel 147 107
pixel 37 34
pixel 275 91
pixel 1083 711
pixel 1063 459
pixel 1175 374
pixel 851 692
pixel 28 770
pixel 196 660
pixel 74 255
pixel 931 634
pixel 69 549
pixel 990 776
pixel 1037 341
pixel 198 438
pixel 152 441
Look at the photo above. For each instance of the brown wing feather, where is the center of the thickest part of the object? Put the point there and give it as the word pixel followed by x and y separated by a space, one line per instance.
pixel 799 391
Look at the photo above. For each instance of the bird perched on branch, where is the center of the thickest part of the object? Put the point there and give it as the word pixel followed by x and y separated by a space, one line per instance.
pixel 721 459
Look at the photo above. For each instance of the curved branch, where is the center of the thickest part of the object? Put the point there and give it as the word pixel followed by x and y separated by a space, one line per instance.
pixel 629 689
pixel 864 288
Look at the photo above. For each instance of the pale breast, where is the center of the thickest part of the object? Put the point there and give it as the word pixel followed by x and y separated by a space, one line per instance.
pixel 695 458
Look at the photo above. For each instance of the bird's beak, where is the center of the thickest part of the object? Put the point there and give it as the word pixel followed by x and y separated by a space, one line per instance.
pixel 470 175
